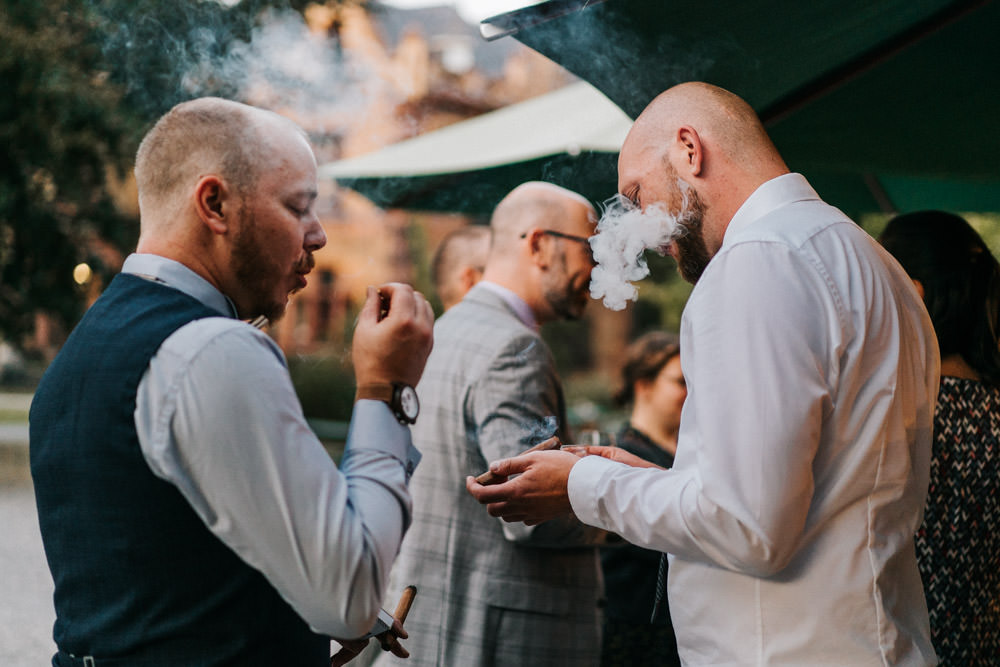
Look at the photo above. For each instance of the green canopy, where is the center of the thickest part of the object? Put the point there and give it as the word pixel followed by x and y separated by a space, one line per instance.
pixel 887 105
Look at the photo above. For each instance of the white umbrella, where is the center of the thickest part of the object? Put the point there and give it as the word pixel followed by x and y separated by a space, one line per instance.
pixel 570 137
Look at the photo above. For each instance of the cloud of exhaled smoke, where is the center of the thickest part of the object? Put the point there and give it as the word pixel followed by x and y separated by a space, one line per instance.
pixel 624 233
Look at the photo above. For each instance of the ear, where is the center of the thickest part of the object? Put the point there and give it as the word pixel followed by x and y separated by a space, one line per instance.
pixel 691 149
pixel 468 277
pixel 920 288
pixel 538 247
pixel 212 203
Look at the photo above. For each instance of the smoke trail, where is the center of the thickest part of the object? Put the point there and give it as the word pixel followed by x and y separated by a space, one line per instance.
pixel 286 66
pixel 531 433
pixel 541 430
pixel 624 233
pixel 167 54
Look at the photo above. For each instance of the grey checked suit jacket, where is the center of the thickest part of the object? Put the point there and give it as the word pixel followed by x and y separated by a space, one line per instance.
pixel 488 592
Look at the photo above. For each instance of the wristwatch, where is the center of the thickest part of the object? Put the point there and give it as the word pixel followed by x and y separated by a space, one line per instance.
pixel 402 399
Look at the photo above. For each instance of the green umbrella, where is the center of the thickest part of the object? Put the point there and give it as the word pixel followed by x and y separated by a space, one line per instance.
pixel 883 105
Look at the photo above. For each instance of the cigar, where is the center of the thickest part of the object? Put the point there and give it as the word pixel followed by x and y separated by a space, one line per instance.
pixel 405 600
pixel 383 305
pixel 387 640
pixel 488 477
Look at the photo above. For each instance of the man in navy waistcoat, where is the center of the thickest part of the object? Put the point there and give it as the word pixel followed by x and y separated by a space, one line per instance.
pixel 189 514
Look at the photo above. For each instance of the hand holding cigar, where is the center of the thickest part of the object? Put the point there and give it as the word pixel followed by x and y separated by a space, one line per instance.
pixel 488 477
pixel 389 639
pixel 531 487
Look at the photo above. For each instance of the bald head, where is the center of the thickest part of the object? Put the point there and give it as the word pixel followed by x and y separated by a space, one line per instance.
pixel 533 204
pixel 205 135
pixel 540 249
pixel 699 152
pixel 722 119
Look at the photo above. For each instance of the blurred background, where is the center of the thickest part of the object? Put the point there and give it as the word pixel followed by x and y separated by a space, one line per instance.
pixel 85 79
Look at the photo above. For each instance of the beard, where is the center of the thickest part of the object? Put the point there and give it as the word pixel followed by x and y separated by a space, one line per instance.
pixel 692 253
pixel 257 271
pixel 565 300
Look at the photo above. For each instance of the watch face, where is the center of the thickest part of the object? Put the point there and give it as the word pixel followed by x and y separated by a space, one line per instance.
pixel 408 402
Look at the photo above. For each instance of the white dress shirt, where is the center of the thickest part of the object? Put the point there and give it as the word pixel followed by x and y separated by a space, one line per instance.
pixel 803 454
pixel 217 416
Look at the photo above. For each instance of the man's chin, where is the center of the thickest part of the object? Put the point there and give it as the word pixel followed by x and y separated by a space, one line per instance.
pixel 274 312
pixel 576 311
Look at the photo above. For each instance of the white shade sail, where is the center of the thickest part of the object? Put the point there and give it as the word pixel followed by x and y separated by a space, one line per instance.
pixel 574 119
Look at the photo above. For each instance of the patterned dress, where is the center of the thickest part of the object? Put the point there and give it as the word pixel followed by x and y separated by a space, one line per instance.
pixel 958 545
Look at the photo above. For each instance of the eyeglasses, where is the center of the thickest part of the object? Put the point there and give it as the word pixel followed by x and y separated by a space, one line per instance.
pixel 583 240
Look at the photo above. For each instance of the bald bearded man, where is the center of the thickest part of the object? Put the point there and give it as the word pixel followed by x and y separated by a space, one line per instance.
pixel 492 593
pixel 189 514
pixel 804 446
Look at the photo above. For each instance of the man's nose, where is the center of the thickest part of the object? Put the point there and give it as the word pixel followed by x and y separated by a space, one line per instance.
pixel 315 235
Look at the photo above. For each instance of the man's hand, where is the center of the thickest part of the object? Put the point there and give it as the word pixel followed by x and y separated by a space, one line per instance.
pixel 392 347
pixel 611 453
pixel 537 494
pixel 388 640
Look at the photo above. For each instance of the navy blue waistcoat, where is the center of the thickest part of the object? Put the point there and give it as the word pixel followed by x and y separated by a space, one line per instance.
pixel 137 573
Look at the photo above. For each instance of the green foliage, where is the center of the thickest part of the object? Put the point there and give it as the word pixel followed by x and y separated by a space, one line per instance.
pixel 61 134
pixel 570 344
pixel 420 253
pixel 84 80
pixel 325 386
pixel 662 296
pixel 661 300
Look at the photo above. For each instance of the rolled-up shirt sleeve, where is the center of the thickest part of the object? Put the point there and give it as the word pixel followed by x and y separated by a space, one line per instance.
pixel 217 416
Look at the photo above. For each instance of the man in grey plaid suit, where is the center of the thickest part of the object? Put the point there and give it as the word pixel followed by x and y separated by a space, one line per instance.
pixel 488 592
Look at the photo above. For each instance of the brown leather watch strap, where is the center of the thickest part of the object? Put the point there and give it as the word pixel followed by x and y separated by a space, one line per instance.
pixel 381 391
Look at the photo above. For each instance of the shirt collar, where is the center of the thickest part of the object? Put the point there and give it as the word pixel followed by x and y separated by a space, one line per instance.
pixel 769 196
pixel 180 277
pixel 516 303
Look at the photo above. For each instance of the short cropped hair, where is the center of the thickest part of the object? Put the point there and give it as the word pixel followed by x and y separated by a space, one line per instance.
pixel 206 134
pixel 459 248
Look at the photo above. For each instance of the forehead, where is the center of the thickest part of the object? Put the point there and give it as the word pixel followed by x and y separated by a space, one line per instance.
pixel 638 154
pixel 289 163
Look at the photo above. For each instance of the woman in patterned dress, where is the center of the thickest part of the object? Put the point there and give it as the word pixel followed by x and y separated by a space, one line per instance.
pixel 653 384
pixel 958 545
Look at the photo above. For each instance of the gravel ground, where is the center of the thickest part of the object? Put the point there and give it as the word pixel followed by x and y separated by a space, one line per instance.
pixel 26 613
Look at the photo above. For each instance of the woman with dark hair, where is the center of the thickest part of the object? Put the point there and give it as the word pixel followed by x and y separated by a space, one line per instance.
pixel 652 383
pixel 958 545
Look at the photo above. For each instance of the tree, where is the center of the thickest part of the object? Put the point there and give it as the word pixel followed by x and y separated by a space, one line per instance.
pixel 64 136
pixel 84 80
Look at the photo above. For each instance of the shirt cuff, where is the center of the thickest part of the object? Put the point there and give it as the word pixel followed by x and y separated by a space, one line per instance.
pixel 374 427
pixel 583 488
